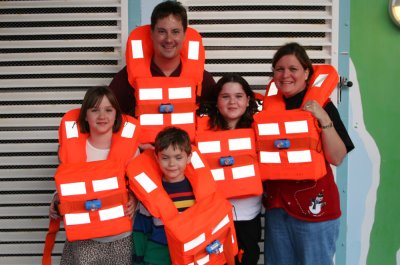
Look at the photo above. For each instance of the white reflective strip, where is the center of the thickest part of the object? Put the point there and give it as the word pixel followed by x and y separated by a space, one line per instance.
pixel 270 157
pixel 128 130
pixel 218 174
pixel 209 147
pixel 320 80
pixel 193 51
pixel 137 49
pixel 194 243
pixel 182 118
pixel 151 119
pixel 75 188
pixel 71 128
pixel 112 213
pixel 150 93
pixel 221 224
pixel 296 127
pixel 105 184
pixel 239 144
pixel 180 92
pixel 203 260
pixel 191 263
pixel 268 129
pixel 273 90
pixel 147 184
pixel 243 172
pixel 233 240
pixel 299 156
pixel 196 161
pixel 77 218
pixel 221 249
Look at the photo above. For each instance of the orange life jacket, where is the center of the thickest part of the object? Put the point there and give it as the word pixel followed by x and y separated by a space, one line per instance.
pixel 221 148
pixel 164 101
pixel 73 143
pixel 289 141
pixel 189 232
pixel 92 194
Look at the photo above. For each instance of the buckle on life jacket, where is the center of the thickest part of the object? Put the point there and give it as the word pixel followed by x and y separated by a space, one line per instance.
pixel 166 108
pixel 92 205
pixel 213 247
pixel 226 160
pixel 282 144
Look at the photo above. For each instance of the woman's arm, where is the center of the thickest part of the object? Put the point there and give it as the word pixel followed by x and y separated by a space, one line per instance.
pixel 333 146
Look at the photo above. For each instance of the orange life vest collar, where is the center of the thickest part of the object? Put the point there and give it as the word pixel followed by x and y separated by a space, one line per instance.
pixel 322 83
pixel 145 178
pixel 73 143
pixel 139 52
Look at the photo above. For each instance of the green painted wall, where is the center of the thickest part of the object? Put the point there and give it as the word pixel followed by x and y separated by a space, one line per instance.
pixel 375 51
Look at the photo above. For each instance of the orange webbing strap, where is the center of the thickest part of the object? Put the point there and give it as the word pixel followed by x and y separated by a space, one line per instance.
pixel 239 160
pixel 321 88
pixel 154 108
pixel 228 249
pixel 295 144
pixel 199 89
pixel 79 206
pixel 54 226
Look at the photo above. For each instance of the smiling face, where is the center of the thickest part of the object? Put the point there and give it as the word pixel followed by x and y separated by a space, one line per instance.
pixel 290 76
pixel 232 103
pixel 101 117
pixel 173 161
pixel 168 35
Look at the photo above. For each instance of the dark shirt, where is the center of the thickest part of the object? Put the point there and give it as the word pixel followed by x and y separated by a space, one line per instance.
pixel 124 92
pixel 181 193
pixel 295 103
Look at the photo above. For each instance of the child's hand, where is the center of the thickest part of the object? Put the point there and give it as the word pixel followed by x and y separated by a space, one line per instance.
pixel 146 146
pixel 131 205
pixel 53 211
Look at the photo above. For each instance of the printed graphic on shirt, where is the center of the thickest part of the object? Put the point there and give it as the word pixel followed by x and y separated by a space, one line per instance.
pixel 316 204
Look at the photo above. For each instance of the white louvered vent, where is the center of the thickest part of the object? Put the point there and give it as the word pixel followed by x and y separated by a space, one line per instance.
pixel 50 53
pixel 242 36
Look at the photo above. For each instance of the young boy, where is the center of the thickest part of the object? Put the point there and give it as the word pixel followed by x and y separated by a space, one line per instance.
pixel 173 153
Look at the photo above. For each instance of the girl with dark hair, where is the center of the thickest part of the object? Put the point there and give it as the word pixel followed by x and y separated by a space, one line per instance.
pixel 96 136
pixel 231 108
